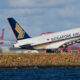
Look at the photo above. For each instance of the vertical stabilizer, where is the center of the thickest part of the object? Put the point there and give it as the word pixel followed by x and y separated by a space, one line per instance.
pixel 17 30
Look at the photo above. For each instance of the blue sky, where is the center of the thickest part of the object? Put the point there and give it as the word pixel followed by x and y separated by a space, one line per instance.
pixel 37 16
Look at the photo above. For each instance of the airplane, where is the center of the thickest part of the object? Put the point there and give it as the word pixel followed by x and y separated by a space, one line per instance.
pixel 2 36
pixel 50 41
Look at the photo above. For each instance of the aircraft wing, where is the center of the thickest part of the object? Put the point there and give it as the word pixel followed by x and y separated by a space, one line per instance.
pixel 70 43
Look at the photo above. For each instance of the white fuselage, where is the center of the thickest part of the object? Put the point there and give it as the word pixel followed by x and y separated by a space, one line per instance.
pixel 50 41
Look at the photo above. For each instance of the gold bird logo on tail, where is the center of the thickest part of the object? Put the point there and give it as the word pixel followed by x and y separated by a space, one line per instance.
pixel 20 31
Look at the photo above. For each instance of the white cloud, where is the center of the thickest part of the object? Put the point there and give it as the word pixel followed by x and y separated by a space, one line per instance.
pixel 69 11
pixel 21 12
pixel 37 3
pixel 34 18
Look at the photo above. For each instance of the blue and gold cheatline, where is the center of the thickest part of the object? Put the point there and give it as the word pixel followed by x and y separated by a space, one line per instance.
pixel 17 30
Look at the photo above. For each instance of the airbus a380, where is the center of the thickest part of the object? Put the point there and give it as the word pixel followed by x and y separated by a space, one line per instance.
pixel 50 41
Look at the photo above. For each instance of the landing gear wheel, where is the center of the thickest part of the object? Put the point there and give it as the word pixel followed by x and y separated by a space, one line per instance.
pixel 58 50
pixel 65 50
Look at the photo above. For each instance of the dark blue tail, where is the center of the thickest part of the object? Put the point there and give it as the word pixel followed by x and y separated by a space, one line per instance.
pixel 17 30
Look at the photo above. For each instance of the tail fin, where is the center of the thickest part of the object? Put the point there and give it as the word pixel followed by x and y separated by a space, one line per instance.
pixel 2 36
pixel 17 30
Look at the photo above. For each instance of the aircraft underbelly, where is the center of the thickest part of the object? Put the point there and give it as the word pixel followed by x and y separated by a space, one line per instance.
pixel 51 46
pixel 54 45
